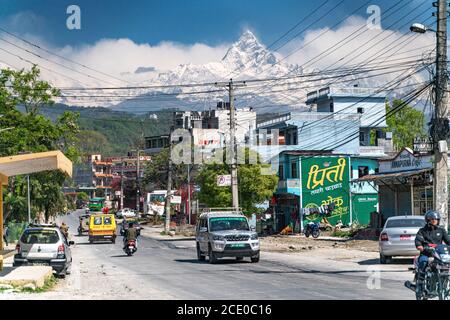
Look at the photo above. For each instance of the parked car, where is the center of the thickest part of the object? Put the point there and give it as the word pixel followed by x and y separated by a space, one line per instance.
pixel 44 245
pixel 125 226
pixel 125 213
pixel 221 235
pixel 397 237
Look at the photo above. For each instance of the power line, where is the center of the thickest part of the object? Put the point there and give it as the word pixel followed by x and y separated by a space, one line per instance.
pixel 54 62
pixel 59 56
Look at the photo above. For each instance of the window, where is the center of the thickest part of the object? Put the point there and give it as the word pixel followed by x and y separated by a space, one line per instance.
pixel 281 172
pixel 98 221
pixel 39 236
pixel 108 221
pixel 360 110
pixel 294 173
pixel 363 171
pixel 331 107
pixel 228 223
pixel 362 137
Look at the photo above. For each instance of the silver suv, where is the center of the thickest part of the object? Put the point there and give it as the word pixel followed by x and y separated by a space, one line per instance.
pixel 44 245
pixel 220 234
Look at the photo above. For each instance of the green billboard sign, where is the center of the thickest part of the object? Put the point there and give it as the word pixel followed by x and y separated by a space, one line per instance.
pixel 326 180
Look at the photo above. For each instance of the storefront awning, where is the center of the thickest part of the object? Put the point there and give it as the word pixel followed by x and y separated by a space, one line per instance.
pixel 393 175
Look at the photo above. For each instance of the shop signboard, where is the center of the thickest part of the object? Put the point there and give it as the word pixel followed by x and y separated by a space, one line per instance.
pixel 326 180
pixel 423 146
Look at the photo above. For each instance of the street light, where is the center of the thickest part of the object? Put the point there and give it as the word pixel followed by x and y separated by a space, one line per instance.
pixel 420 28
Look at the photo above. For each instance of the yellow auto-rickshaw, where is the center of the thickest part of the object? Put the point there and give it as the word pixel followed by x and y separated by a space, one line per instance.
pixel 102 227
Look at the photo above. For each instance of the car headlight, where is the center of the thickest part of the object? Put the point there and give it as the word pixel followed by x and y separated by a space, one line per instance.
pixel 218 238
pixel 254 236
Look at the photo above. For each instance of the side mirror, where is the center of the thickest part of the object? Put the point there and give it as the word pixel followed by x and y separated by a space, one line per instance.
pixel 203 229
pixel 71 243
pixel 252 228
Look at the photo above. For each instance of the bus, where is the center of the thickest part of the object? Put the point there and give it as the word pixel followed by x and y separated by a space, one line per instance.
pixel 96 204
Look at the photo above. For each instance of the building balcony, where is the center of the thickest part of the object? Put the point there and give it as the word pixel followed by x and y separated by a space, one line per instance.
pixel 103 175
pixel 289 186
pixel 102 163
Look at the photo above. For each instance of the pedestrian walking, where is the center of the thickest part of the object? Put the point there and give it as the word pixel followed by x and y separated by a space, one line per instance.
pixel 5 234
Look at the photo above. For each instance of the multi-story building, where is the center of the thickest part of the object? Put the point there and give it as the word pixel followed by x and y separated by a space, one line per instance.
pixel 209 129
pixel 102 174
pixel 346 121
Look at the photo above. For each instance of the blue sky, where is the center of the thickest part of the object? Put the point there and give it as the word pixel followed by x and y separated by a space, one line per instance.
pixel 184 21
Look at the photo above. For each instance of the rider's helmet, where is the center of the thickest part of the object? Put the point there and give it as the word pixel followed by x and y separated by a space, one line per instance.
pixel 431 215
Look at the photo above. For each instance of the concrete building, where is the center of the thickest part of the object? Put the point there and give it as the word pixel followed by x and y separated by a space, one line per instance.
pixel 310 180
pixel 209 129
pixel 342 123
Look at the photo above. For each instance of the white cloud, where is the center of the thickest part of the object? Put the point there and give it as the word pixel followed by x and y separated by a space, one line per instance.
pixel 113 56
pixel 364 45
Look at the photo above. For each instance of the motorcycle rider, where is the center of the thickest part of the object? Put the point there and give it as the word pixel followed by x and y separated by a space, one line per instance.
pixel 65 230
pixel 130 234
pixel 430 234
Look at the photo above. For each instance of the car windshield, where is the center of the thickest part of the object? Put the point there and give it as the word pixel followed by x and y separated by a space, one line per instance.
pixel 39 236
pixel 405 223
pixel 228 223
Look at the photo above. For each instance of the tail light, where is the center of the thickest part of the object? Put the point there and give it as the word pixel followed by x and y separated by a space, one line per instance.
pixel 61 250
pixel 384 237
pixel 18 247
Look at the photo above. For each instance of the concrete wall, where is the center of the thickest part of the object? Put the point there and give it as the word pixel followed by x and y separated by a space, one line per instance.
pixel 374 109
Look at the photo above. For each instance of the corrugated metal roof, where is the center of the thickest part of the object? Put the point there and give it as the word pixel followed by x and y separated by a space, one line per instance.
pixel 377 177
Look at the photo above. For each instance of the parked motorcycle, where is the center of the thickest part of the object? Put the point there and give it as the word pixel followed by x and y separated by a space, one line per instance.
pixel 312 228
pixel 437 276
pixel 130 248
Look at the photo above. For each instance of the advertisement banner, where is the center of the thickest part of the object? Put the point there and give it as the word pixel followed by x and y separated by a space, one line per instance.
pixel 326 180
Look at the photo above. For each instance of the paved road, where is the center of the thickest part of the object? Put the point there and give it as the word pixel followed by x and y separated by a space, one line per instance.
pixel 165 269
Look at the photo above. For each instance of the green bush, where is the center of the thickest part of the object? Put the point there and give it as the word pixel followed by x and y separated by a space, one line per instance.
pixel 15 230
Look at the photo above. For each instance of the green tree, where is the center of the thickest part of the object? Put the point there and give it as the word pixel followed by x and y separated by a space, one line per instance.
pixel 82 196
pixel 254 187
pixel 405 125
pixel 155 175
pixel 32 132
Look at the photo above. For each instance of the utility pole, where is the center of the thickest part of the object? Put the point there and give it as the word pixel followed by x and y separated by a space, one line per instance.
pixel 138 196
pixel 121 186
pixel 440 181
pixel 28 197
pixel 169 185
pixel 233 148
pixel 189 191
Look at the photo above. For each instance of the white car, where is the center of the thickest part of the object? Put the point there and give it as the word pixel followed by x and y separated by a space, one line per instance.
pixel 398 235
pixel 125 213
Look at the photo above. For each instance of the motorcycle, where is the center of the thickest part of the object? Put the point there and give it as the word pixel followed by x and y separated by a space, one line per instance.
pixel 436 281
pixel 312 228
pixel 130 248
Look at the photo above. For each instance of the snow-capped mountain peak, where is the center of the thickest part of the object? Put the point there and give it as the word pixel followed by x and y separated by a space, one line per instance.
pixel 248 52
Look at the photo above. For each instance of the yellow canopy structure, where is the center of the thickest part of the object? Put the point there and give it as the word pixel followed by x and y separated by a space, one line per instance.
pixel 26 164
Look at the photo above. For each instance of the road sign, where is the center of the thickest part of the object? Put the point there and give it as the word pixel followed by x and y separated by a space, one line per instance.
pixel 224 180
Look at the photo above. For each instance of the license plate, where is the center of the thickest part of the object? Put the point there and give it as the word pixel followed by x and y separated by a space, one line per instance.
pixel 238 245
pixel 405 237
pixel 39 264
